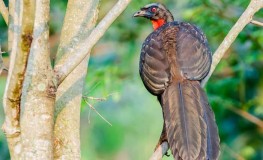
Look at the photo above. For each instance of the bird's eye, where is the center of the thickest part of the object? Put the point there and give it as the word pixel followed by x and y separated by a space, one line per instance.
pixel 153 9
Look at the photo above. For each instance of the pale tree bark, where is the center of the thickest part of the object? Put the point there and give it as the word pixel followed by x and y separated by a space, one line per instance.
pixel 160 151
pixel 4 11
pixel 11 99
pixel 74 52
pixel 69 93
pixel 257 23
pixel 39 92
pixel 20 34
pixel 31 88
pixel 246 18
pixel 74 60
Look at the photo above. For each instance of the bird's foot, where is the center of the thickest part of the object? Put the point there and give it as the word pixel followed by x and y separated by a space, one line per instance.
pixel 166 154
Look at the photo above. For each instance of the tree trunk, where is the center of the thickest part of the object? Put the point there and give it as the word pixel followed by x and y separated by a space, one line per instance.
pixel 69 94
pixel 37 121
pixel 48 99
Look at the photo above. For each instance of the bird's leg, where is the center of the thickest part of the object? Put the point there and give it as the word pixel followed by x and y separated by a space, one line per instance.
pixel 162 139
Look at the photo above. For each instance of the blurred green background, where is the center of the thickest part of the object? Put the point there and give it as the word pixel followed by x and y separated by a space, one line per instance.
pixel 235 90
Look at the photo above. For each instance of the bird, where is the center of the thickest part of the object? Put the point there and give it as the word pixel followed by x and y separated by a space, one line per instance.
pixel 174 59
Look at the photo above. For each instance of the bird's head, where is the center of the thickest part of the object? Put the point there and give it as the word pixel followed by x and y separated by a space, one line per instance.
pixel 157 13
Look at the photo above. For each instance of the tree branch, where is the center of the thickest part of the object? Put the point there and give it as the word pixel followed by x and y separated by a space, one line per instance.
pixel 160 151
pixel 18 61
pixel 231 152
pixel 94 109
pixel 74 59
pixel 257 23
pixel 244 19
pixel 11 99
pixel 69 93
pixel 247 116
pixel 4 11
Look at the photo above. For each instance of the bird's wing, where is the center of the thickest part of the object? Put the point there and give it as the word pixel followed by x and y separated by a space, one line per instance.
pixel 192 52
pixel 154 68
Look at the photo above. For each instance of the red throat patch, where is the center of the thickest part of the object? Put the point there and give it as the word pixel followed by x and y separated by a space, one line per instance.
pixel 157 23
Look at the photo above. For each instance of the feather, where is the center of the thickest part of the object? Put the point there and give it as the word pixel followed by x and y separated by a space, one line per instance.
pixel 213 141
pixel 173 60
pixel 184 124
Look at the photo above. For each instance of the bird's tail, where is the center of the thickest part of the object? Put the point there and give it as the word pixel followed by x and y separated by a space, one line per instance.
pixel 189 122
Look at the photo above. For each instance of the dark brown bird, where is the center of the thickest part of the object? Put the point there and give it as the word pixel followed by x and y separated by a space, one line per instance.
pixel 175 57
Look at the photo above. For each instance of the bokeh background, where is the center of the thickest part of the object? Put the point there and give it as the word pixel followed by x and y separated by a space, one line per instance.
pixel 235 90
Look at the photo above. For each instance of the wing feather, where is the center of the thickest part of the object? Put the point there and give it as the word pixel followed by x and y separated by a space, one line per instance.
pixel 193 54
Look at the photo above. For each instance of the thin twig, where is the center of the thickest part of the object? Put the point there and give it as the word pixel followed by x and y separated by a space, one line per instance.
pixel 98 99
pixel 95 98
pixel 257 23
pixel 92 88
pixel 2 66
pixel 91 106
pixel 85 98
pixel 247 116
pixel 4 11
pixel 73 61
pixel 244 19
pixel 232 152
pixel 89 117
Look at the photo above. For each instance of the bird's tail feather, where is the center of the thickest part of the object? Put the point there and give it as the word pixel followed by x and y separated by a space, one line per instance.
pixel 190 124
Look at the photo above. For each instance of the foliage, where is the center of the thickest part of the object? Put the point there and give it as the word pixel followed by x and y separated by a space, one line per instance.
pixel 134 113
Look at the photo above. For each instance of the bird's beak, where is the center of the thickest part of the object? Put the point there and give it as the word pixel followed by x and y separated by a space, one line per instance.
pixel 141 13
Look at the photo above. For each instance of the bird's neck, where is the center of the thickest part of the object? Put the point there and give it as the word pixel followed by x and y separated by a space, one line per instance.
pixel 158 23
pixel 168 17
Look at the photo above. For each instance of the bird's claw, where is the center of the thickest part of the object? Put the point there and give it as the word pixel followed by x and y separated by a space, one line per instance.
pixel 166 154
